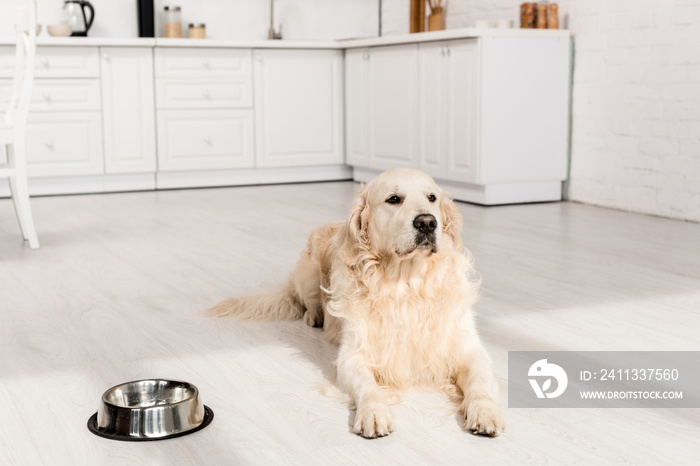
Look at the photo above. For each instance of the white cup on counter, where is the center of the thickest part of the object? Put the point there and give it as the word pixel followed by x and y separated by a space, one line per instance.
pixel 504 23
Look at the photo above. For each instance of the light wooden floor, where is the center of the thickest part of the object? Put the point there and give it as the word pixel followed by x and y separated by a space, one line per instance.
pixel 116 291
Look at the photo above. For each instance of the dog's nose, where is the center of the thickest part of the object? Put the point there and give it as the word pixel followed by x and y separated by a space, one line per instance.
pixel 425 223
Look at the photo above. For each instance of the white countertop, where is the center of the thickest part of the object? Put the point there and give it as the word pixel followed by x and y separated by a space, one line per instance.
pixel 464 33
pixel 44 40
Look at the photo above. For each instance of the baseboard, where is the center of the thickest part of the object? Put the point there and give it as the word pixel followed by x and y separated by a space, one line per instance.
pixel 174 180
pixel 490 194
pixel 252 176
pixel 85 184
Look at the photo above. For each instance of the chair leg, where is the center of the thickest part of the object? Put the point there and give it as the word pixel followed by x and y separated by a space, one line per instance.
pixel 20 194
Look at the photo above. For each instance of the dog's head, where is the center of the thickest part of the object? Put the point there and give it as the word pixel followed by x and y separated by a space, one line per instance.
pixel 403 212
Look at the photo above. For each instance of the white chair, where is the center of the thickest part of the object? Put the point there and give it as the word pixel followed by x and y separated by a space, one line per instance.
pixel 13 128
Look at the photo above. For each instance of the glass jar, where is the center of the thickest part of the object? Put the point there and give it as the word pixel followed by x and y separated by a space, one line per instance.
pixel 173 23
pixel 198 31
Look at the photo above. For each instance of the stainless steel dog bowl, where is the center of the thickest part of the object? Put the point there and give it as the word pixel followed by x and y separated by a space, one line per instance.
pixel 152 409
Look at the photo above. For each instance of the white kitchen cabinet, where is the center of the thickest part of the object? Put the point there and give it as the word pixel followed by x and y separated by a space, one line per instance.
pixel 57 95
pixel 64 144
pixel 524 110
pixel 382 106
pixel 298 107
pixel 64 128
pixel 357 104
pixel 491 115
pixel 449 109
pixel 199 62
pixel 204 93
pixel 214 139
pixel 128 110
pixel 484 111
pixel 55 62
pixel 204 102
pixel 393 106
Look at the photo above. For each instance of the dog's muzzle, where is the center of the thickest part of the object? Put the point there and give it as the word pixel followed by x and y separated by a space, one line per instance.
pixel 426 241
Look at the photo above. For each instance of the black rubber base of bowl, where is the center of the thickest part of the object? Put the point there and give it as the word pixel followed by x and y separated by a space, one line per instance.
pixel 92 427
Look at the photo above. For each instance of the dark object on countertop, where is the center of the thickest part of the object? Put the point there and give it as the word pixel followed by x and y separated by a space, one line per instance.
pixel 147 26
pixel 74 15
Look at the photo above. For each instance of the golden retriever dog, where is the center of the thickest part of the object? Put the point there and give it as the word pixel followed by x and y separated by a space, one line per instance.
pixel 393 287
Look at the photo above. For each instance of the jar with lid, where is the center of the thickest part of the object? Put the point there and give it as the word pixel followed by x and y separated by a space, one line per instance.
pixel 173 23
pixel 198 31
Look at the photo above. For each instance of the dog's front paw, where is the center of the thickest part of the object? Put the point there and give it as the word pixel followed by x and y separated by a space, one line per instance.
pixel 312 319
pixel 484 417
pixel 373 420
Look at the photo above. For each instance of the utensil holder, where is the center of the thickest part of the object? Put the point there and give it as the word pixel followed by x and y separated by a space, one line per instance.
pixel 435 20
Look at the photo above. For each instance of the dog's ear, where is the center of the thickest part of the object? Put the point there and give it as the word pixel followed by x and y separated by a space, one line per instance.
pixel 356 229
pixel 451 219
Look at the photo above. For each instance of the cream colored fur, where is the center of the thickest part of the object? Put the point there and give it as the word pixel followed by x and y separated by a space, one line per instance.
pixel 401 314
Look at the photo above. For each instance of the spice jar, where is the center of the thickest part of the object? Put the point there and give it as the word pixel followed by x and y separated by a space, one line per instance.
pixel 541 16
pixel 173 23
pixel 198 31
pixel 553 18
pixel 528 12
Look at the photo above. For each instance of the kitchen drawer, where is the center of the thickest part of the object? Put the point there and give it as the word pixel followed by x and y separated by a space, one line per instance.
pixel 64 144
pixel 55 62
pixel 197 93
pixel 203 63
pixel 205 139
pixel 57 95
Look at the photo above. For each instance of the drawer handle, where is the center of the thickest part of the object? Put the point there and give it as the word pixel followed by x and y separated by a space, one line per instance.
pixel 45 62
pixel 207 140
pixel 47 96
pixel 206 95
pixel 49 145
pixel 258 58
pixel 205 63
pixel 448 51
pixel 106 56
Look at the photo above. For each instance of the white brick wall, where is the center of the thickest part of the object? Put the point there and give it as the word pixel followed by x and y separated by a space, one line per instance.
pixel 636 98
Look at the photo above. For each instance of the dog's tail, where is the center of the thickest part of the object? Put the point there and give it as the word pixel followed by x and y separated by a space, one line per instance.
pixel 280 304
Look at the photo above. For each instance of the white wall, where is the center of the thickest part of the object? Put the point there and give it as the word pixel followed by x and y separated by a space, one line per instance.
pixel 225 19
pixel 636 97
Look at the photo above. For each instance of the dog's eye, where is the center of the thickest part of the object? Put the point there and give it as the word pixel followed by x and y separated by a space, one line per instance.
pixel 432 198
pixel 393 200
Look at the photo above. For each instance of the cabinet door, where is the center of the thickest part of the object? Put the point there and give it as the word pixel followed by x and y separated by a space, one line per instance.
pixel 206 63
pixel 524 121
pixel 64 144
pixel 298 107
pixel 128 110
pixel 57 95
pixel 55 62
pixel 393 87
pixel 462 107
pixel 433 100
pixel 357 107
pixel 205 139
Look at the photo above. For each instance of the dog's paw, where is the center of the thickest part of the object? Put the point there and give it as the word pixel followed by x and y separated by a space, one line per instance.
pixel 312 319
pixel 373 420
pixel 484 417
